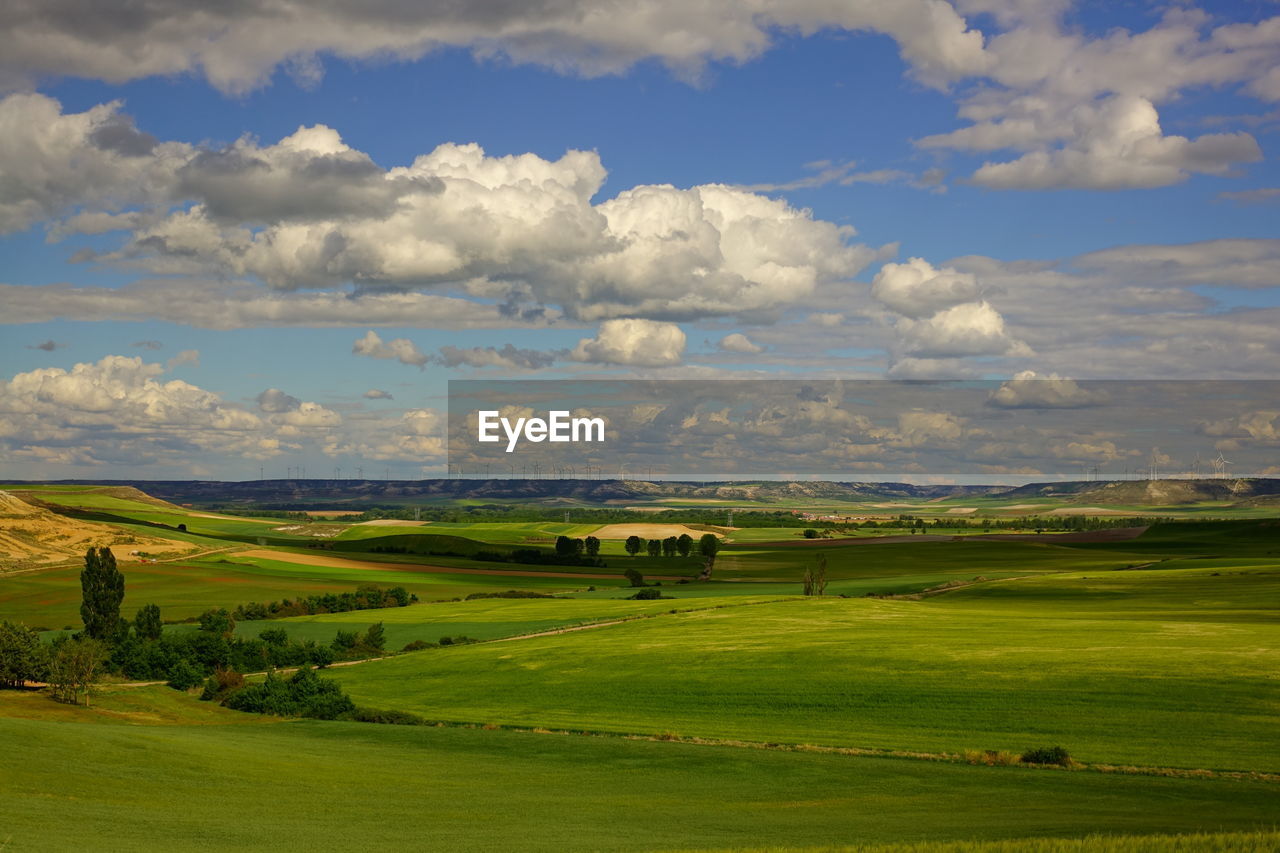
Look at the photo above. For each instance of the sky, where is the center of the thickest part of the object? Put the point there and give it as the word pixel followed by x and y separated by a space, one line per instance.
pixel 238 239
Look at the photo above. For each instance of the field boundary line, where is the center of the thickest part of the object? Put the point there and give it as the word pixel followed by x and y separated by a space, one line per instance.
pixel 872 752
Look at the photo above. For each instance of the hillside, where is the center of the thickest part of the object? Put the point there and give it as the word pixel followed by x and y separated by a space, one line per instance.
pixel 1246 492
pixel 357 493
pixel 32 536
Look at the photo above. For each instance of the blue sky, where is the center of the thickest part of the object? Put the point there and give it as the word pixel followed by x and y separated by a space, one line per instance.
pixel 990 189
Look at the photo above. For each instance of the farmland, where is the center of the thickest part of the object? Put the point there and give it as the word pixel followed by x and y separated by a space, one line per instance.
pixel 867 716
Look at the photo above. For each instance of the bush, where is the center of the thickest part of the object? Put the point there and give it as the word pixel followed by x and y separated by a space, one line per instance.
pixel 222 683
pixel 391 718
pixel 648 594
pixel 634 576
pixel 1047 755
pixel 184 676
pixel 418 645
pixel 304 695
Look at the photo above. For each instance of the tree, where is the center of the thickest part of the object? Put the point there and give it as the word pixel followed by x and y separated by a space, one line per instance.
pixel 810 533
pixel 669 546
pixel 633 575
pixel 274 636
pixel 218 622
pixel 102 587
pixel 22 656
pixel 815 577
pixel 375 638
pixel 655 547
pixel 147 624
pixel 564 546
pixel 593 546
pixel 74 668
pixel 634 544
pixel 709 544
pixel 684 544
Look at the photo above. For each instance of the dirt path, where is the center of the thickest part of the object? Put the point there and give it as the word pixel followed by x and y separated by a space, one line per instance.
pixel 328 561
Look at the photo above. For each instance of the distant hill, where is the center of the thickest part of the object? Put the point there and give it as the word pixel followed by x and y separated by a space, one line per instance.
pixel 285 494
pixel 338 493
pixel 1241 492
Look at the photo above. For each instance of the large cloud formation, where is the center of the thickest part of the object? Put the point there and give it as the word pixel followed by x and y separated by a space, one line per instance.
pixel 1076 110
pixel 521 231
pixel 122 411
pixel 1082 113
pixel 237 45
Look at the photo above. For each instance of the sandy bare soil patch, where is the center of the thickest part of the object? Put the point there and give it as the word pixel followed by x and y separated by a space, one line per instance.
pixel 31 537
pixel 333 513
pixel 328 561
pixel 391 522
pixel 646 531
pixel 961 510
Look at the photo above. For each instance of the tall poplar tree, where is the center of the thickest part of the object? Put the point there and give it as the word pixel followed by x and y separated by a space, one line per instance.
pixel 102 586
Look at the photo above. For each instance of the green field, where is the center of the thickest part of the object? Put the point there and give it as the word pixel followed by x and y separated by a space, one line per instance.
pixel 1158 652
pixel 219 781
pixel 483 619
pixel 925 676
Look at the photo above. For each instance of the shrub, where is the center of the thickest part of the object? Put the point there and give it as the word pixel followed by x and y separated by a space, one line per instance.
pixel 647 594
pixel 304 695
pixel 634 576
pixel 184 676
pixel 391 718
pixel 222 683
pixel 418 645
pixel 1047 755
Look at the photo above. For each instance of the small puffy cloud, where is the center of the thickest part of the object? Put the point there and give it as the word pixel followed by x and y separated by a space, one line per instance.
pixel 635 342
pixel 377 394
pixel 508 356
pixel 1261 195
pixel 46 346
pixel 275 401
pixel 187 356
pixel 1029 390
pixel 740 343
pixel 916 289
pixel 149 345
pixel 402 350
pixel 931 369
pixel 971 329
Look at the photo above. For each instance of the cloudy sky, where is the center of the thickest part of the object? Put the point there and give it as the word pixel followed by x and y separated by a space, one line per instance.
pixel 265 234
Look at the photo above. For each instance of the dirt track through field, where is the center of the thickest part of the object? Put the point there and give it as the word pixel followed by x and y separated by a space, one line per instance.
pixel 327 561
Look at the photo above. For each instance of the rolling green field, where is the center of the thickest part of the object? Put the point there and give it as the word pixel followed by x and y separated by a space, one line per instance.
pixel 217 780
pixel 918 675
pixel 483 619
pixel 1159 652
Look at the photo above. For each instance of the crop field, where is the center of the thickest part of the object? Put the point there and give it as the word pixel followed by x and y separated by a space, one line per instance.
pixel 877 674
pixel 362 778
pixel 483 619
pixel 860 718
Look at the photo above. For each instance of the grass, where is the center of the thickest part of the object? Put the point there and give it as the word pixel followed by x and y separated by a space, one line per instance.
pixel 345 786
pixel 483 619
pixel 920 675
pixel 51 599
